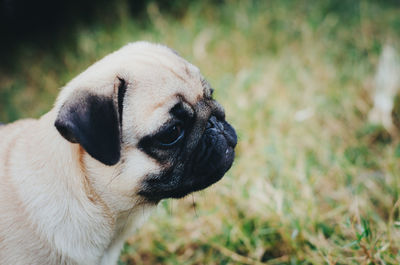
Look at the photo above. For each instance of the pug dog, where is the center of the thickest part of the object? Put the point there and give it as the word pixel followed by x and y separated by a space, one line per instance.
pixel 136 127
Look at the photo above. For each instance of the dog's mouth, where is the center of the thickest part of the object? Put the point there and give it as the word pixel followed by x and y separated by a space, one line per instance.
pixel 207 164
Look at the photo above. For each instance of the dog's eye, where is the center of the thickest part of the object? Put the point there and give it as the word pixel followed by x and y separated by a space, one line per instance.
pixel 171 135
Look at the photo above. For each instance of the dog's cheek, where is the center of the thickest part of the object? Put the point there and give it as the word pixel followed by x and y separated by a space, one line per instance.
pixel 136 165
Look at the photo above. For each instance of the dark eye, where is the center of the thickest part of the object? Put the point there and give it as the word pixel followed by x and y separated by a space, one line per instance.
pixel 171 135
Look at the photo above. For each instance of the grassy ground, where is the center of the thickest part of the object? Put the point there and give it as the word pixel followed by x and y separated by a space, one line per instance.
pixel 313 182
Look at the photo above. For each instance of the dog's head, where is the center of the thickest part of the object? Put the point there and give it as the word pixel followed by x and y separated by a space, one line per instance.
pixel 150 114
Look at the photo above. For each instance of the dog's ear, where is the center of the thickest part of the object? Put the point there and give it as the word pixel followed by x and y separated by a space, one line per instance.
pixel 93 121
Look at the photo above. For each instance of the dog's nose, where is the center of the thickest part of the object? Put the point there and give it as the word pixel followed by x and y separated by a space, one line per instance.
pixel 214 123
pixel 223 128
pixel 230 134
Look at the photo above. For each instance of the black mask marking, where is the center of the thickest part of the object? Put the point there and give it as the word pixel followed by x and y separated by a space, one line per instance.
pixel 202 159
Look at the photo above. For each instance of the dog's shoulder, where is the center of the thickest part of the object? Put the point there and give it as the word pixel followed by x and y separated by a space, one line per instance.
pixel 9 135
pixel 10 129
pixel 17 123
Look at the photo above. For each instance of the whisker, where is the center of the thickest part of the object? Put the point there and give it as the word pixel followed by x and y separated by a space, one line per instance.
pixel 129 214
pixel 194 206
pixel 116 173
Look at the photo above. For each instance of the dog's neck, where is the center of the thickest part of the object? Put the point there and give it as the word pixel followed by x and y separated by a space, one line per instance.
pixel 101 183
pixel 84 187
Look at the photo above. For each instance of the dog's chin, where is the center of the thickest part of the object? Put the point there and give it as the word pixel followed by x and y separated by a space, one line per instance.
pixel 216 172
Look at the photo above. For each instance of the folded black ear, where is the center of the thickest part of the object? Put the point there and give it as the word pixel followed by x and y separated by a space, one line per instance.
pixel 92 121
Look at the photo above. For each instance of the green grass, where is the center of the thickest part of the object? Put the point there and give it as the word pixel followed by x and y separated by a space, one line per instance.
pixel 313 182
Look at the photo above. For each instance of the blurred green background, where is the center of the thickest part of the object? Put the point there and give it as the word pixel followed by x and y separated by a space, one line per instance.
pixel 313 181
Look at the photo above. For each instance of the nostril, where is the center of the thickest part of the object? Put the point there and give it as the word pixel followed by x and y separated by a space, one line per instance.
pixel 211 123
pixel 214 123
pixel 219 127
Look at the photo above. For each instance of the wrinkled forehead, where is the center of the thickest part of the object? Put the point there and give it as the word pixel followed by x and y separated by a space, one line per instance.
pixel 161 81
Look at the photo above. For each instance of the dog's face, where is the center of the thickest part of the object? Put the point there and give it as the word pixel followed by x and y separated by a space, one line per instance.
pixel 150 114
